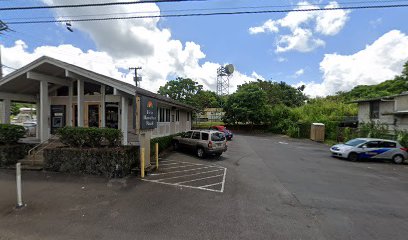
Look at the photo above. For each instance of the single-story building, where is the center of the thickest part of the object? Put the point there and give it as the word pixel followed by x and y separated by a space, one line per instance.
pixel 68 95
pixel 390 110
pixel 211 115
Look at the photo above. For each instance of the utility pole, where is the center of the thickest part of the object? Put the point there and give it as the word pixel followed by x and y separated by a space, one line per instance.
pixel 135 116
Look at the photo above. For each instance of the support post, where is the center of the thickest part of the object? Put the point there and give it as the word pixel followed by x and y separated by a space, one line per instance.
pixel 103 115
pixel 18 181
pixel 80 102
pixel 44 107
pixel 38 116
pixel 157 155
pixel 70 106
pixel 6 111
pixel 142 162
pixel 124 119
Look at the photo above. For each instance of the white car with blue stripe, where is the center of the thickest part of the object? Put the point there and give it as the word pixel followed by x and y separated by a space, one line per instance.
pixel 371 148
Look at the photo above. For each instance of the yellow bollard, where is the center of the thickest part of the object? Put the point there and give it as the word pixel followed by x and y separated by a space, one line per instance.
pixel 157 156
pixel 142 162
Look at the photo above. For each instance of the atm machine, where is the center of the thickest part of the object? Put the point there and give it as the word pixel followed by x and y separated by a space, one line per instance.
pixel 58 117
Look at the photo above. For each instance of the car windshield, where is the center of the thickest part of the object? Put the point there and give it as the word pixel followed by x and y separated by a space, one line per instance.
pixel 355 142
pixel 217 137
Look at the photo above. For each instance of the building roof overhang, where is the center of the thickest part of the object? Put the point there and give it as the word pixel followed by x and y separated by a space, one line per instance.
pixel 59 73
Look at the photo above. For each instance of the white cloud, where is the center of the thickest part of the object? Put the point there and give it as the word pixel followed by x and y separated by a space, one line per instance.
pixel 299 73
pixel 281 59
pixel 301 40
pixel 303 26
pixel 268 26
pixel 331 22
pixel 127 43
pixel 378 62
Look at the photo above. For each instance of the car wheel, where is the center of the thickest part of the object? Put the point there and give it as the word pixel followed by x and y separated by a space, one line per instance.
pixel 176 146
pixel 353 157
pixel 398 159
pixel 200 152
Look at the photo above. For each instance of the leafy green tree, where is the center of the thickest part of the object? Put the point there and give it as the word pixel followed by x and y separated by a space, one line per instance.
pixel 206 99
pixel 282 93
pixel 405 71
pixel 181 89
pixel 249 104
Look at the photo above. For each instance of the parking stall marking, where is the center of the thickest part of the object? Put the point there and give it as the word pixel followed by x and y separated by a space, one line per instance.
pixel 208 177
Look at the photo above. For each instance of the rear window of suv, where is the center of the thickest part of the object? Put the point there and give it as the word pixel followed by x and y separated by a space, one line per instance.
pixel 204 136
pixel 217 137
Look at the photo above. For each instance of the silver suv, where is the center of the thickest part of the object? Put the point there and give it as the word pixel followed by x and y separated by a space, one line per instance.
pixel 203 142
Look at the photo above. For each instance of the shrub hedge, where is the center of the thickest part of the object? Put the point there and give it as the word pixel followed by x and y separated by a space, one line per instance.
pixel 164 143
pixel 90 137
pixel 10 134
pixel 10 154
pixel 94 161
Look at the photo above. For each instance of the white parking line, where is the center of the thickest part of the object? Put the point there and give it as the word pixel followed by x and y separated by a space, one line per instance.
pixel 189 175
pixel 201 170
pixel 177 167
pixel 209 185
pixel 167 164
pixel 198 179
pixel 183 170
pixel 186 186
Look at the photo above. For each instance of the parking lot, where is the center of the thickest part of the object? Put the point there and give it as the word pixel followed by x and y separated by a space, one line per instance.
pixel 191 174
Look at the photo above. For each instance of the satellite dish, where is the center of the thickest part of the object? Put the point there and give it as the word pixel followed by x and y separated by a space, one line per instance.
pixel 229 69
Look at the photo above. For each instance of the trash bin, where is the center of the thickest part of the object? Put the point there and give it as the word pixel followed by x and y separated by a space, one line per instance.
pixel 317 132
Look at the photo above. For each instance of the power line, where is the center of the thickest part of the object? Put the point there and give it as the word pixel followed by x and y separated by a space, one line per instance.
pixel 198 9
pixel 8 67
pixel 93 4
pixel 210 14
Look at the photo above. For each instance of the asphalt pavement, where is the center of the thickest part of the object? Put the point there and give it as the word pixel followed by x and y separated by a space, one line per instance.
pixel 263 187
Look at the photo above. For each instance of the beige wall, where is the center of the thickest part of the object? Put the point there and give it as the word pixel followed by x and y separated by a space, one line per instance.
pixel 364 112
pixel 169 128
pixel 401 103
pixel 163 128
pixel 63 100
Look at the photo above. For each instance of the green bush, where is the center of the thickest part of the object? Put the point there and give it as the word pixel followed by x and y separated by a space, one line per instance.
pixel 374 130
pixel 10 134
pixel 164 143
pixel 94 161
pixel 10 154
pixel 402 137
pixel 89 137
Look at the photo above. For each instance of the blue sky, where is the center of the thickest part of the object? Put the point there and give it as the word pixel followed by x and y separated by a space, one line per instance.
pixel 362 42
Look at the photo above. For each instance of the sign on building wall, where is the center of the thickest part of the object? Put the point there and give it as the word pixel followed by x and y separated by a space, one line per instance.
pixel 148 113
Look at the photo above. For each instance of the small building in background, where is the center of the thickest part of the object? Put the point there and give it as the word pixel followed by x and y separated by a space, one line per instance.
pixel 390 110
pixel 211 115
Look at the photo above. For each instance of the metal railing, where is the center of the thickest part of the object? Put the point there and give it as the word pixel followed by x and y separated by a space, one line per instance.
pixel 31 154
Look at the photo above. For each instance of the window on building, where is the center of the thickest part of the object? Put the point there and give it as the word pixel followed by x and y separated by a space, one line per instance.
pixel 177 115
pixel 167 115
pixel 188 116
pixel 375 110
pixel 163 114
pixel 92 89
